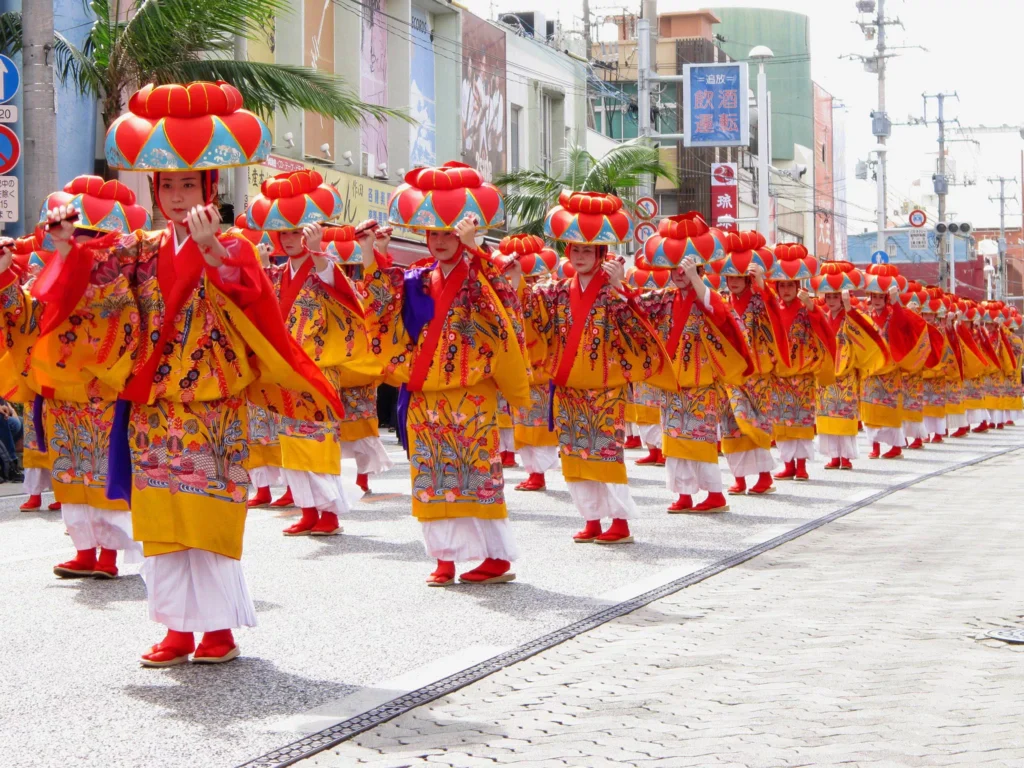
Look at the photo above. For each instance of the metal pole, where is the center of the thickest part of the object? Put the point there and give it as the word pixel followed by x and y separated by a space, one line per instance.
pixel 643 83
pixel 240 176
pixel 39 156
pixel 586 28
pixel 763 151
pixel 880 188
pixel 880 21
pixel 951 276
pixel 1002 238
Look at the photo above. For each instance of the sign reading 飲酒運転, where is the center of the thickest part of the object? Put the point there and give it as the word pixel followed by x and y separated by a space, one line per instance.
pixel 715 104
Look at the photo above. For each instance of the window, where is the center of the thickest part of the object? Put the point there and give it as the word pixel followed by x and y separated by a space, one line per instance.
pixel 513 142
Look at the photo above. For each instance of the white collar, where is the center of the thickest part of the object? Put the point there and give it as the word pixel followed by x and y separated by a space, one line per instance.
pixel 178 246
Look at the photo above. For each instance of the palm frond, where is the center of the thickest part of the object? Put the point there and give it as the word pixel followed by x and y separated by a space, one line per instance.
pixel 281 86
pixel 528 195
pixel 10 32
pixel 577 163
pixel 625 167
pixel 73 65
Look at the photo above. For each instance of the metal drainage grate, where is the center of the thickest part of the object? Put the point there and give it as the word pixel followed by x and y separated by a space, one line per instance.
pixel 335 734
pixel 1012 635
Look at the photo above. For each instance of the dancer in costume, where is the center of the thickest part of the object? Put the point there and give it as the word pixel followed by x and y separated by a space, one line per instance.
pixel 359 429
pixel 206 327
pixel 906 335
pixel 599 344
pixel 1014 388
pixel 323 314
pixel 80 414
pixel 17 383
pixel 976 388
pixel 1005 359
pixel 937 381
pixel 860 352
pixel 529 262
pixel 450 336
pixel 749 420
pixel 912 406
pixel 811 364
pixel 706 348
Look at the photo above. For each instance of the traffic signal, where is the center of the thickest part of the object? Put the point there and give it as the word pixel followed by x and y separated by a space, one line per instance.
pixel 962 228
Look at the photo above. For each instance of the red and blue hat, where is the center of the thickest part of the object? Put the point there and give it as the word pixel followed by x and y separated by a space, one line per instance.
pixel 293 200
pixel 792 262
pixel 684 236
pixel 529 250
pixel 743 250
pixel 836 277
pixel 438 198
pixel 588 218
pixel 342 245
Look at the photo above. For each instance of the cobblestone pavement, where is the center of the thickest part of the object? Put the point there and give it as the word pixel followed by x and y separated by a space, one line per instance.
pixel 859 644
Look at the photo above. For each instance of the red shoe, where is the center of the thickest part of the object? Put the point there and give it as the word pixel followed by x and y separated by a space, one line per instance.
pixel 171 651
pixel 893 453
pixel 535 482
pixel 589 533
pixel 788 472
pixel 739 487
pixel 683 504
pixel 285 500
pixel 83 564
pixel 999 425
pixel 262 497
pixel 54 506
pixel 216 648
pixel 654 456
pixel 983 427
pixel 715 502
pixel 719 444
pixel 633 442
pixel 106 566
pixel 327 525
pixel 443 575
pixel 310 517
pixel 1010 423
pixel 617 533
pixel 962 432
pixel 801 470
pixel 774 445
pixel 833 464
pixel 845 464
pixel 936 438
pixel 508 459
pixel 917 444
pixel 764 484
pixel 363 481
pixel 33 502
pixel 490 571
pixel 876 451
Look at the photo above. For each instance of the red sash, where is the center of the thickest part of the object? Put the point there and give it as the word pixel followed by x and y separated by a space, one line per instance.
pixel 580 303
pixel 177 277
pixel 292 284
pixel 443 291
pixel 681 307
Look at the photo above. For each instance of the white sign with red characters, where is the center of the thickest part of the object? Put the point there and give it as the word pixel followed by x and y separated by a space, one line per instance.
pixel 724 194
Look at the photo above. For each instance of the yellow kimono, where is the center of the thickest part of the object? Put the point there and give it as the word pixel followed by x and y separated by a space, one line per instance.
pixel 811 364
pixel 531 423
pixel 328 322
pixel 598 346
pixel 18 382
pixel 196 340
pixel 450 342
pixel 906 334
pixel 860 352
pixel 706 350
pixel 1013 386
pixel 936 381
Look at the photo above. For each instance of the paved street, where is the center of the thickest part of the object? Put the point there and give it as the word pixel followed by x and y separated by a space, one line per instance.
pixel 346 623
pixel 859 644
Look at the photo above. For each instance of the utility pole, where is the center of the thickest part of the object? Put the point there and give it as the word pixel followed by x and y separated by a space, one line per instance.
pixel 1002 289
pixel 40 156
pixel 586 29
pixel 882 136
pixel 947 269
pixel 240 177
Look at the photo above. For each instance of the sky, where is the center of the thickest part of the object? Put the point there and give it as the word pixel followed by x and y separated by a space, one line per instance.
pixel 973 50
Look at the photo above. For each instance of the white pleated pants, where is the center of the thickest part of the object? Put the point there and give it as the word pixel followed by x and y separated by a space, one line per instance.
pixel 838 446
pixel 90 527
pixel 370 455
pixel 752 462
pixel 538 459
pixel 37 481
pixel 688 477
pixel 322 492
pixel 596 500
pixel 791 450
pixel 469 538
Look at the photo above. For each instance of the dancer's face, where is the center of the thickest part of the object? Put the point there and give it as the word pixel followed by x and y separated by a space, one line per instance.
pixel 179 193
pixel 737 285
pixel 443 246
pixel 292 243
pixel 834 302
pixel 583 259
pixel 877 302
pixel 787 289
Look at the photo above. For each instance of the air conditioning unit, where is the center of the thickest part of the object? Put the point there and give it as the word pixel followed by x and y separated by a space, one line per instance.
pixel 367 164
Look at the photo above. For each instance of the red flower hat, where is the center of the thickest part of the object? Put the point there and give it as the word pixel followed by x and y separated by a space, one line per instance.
pixel 565 269
pixel 290 201
pixel 588 218
pixel 194 127
pixel 533 256
pixel 257 236
pixel 744 249
pixel 103 206
pixel 879 277
pixel 682 236
pixel 836 277
pixel 792 262
pixel 648 280
pixel 438 198
pixel 342 245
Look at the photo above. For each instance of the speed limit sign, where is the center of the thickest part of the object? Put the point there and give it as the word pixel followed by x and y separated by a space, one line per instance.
pixel 918 218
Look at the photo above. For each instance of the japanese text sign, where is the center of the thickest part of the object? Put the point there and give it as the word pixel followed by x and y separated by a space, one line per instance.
pixel 717 109
pixel 724 194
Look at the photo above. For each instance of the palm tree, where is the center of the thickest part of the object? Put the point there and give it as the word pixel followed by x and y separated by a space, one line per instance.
pixel 622 172
pixel 135 42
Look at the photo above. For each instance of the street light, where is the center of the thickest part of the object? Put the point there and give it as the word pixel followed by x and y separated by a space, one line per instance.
pixel 761 54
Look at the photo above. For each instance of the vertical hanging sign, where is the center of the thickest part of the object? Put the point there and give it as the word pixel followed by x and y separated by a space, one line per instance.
pixel 724 194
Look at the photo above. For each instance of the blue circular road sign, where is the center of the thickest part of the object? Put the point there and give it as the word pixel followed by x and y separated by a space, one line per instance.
pixel 10 79
pixel 879 257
